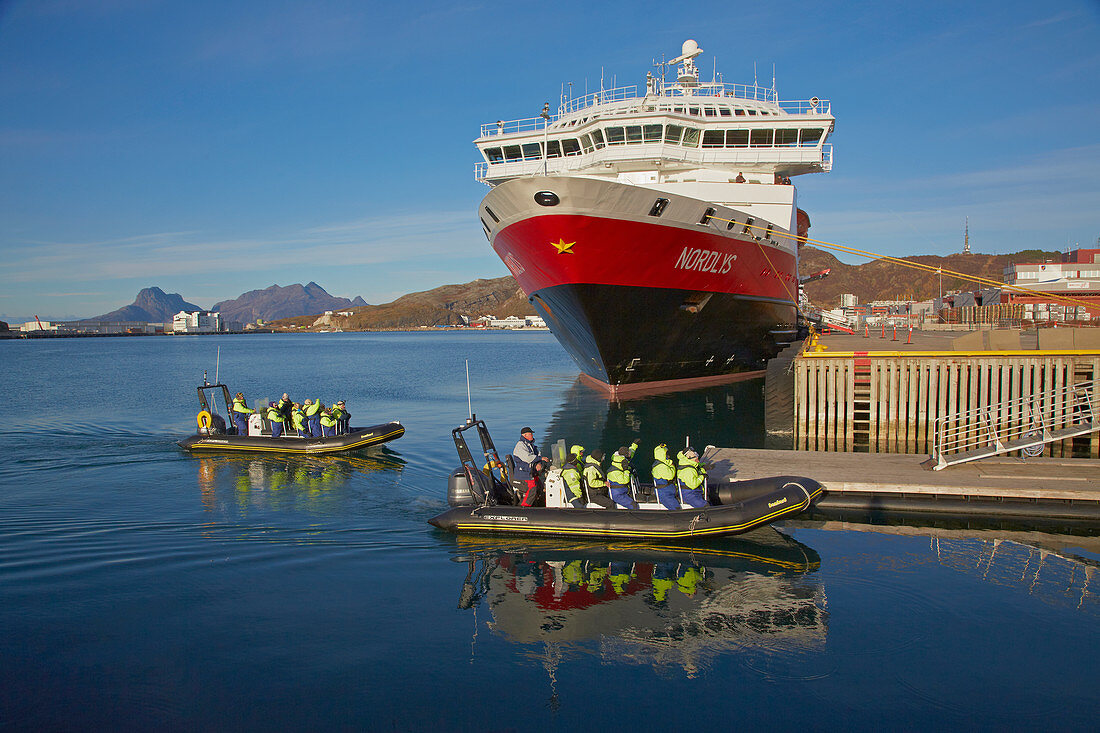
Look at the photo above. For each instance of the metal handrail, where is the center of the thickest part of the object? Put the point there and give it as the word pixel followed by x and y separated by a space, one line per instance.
pixel 816 152
pixel 703 93
pixel 1014 424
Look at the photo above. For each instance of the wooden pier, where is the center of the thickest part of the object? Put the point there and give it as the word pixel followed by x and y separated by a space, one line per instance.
pixel 1038 488
pixel 888 400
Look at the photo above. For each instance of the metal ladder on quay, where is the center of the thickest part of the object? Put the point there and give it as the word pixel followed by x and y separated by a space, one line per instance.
pixel 1021 424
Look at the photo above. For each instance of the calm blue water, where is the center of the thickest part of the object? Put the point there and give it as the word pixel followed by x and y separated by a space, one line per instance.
pixel 142 588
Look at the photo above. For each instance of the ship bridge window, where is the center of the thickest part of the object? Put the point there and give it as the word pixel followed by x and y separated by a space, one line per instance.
pixel 710 111
pixel 739 112
pixel 494 155
pixel 786 138
pixel 737 138
pixel 714 138
pixel 586 142
pixel 652 133
pixel 811 136
pixel 633 134
pixel 761 139
pixel 512 152
pixel 678 110
pixel 553 149
pixel 691 137
pixel 673 133
pixel 752 112
pixel 693 111
pixel 532 151
pixel 658 207
pixel 616 136
pixel 724 111
pixel 597 137
pixel 571 146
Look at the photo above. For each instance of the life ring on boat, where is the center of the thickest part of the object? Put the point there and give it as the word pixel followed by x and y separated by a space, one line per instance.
pixel 203 419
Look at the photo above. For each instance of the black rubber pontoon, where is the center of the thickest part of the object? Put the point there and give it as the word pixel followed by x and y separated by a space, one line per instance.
pixel 482 504
pixel 354 440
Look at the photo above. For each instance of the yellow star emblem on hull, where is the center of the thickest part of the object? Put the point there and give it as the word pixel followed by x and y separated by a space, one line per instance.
pixel 563 247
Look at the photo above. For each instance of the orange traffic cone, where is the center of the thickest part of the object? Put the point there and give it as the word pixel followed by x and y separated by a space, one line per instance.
pixel 895 332
pixel 866 331
pixel 884 329
pixel 910 340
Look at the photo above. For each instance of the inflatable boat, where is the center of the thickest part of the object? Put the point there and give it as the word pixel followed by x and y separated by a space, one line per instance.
pixel 483 503
pixel 215 435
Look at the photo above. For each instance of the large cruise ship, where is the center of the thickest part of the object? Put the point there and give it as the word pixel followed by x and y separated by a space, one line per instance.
pixel 653 230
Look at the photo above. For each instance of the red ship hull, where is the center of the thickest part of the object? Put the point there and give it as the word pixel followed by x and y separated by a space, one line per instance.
pixel 637 300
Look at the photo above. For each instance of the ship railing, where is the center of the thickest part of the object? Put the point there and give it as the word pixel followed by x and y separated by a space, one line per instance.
pixel 619 94
pixel 673 153
pixel 1021 424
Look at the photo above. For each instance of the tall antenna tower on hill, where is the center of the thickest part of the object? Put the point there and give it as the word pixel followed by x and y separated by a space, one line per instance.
pixel 966 237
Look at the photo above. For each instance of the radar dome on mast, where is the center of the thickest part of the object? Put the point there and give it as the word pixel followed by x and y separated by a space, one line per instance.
pixel 689 75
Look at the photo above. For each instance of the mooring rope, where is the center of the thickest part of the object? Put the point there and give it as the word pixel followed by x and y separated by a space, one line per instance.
pixel 935 269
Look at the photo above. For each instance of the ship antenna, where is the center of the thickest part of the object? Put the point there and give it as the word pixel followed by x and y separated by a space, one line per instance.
pixel 217 365
pixel 754 74
pixel 774 94
pixel 469 401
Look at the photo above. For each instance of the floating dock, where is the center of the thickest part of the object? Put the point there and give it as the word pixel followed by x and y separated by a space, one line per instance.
pixel 999 487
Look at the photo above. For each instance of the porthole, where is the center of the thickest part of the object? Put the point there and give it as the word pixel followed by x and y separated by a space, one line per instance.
pixel 547 198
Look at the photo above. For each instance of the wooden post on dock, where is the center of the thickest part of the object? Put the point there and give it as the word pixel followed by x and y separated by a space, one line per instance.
pixel 890 401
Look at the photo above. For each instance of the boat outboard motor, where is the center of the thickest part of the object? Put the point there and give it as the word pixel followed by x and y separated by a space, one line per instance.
pixel 458 489
pixel 214 424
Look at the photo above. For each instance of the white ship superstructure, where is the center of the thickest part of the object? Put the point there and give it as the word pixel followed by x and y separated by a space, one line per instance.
pixel 685 137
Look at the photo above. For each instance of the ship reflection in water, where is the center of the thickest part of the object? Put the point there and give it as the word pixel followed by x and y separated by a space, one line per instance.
pixel 288 481
pixel 669 607
pixel 729 415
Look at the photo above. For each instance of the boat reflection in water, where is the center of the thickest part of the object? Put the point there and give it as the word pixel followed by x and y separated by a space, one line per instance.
pixel 669 607
pixel 310 482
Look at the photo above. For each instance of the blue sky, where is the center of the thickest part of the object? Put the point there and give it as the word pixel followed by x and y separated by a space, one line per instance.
pixel 211 148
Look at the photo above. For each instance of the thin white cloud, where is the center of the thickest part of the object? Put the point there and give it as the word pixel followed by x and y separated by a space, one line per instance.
pixel 1052 19
pixel 372 241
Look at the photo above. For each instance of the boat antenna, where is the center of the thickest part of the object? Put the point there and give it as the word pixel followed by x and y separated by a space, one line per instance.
pixel 469 401
pixel 754 83
pixel 217 365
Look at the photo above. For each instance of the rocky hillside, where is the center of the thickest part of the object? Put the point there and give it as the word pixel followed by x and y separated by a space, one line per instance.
pixel 880 280
pixel 441 306
pixel 152 305
pixel 278 302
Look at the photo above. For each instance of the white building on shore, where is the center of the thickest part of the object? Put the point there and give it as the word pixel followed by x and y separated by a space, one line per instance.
pixel 197 322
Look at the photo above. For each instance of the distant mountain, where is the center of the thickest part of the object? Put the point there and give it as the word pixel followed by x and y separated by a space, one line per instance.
pixel 152 305
pixel 884 280
pixel 278 302
pixel 441 306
